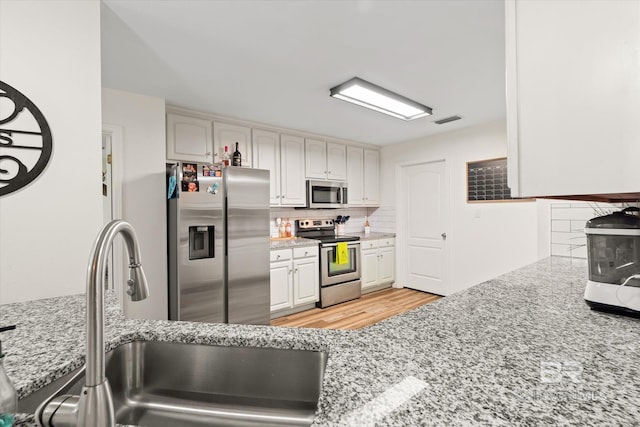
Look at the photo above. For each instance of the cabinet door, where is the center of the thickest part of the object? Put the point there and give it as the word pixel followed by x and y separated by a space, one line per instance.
pixel 293 191
pixel 228 134
pixel 386 264
pixel 371 178
pixel 369 276
pixel 266 155
pixel 355 174
pixel 281 295
pixel 189 139
pixel 572 111
pixel 315 154
pixel 336 162
pixel 306 283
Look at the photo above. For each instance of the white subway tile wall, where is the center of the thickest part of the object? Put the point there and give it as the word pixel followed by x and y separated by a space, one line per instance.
pixel 383 219
pixel 355 224
pixel 567 226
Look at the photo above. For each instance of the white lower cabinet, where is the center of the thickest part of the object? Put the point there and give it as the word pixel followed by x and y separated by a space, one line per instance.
pixel 378 262
pixel 294 277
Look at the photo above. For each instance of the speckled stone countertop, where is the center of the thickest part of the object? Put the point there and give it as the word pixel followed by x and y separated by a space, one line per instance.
pixel 521 349
pixel 373 235
pixel 292 242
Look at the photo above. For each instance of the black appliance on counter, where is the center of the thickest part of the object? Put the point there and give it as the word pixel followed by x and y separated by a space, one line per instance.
pixel 338 282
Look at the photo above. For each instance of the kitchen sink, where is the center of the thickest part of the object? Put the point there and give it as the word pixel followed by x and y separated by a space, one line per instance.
pixel 177 384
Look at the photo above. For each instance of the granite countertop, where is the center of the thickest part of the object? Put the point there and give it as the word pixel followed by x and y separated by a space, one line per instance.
pixel 278 243
pixel 373 235
pixel 521 349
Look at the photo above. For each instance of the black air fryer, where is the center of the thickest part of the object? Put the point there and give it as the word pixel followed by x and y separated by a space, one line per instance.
pixel 613 248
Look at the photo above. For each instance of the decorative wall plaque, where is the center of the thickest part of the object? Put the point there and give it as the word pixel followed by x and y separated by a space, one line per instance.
pixel 25 140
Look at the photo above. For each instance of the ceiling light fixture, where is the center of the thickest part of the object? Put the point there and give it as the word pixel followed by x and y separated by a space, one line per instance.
pixel 365 94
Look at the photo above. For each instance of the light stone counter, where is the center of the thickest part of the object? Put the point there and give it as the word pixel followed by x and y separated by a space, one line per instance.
pixel 521 349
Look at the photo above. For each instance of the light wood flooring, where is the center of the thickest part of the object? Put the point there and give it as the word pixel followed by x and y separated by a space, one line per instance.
pixel 369 309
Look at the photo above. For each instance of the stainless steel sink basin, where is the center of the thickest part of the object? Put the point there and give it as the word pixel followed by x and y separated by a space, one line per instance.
pixel 176 384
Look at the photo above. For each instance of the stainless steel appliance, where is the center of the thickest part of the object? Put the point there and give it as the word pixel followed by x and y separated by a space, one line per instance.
pixel 218 239
pixel 326 194
pixel 613 247
pixel 338 282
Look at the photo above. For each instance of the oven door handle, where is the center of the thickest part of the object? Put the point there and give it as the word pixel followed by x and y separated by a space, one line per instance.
pixel 333 245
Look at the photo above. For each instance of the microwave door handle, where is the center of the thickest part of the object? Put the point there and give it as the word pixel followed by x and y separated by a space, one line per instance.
pixel 339 195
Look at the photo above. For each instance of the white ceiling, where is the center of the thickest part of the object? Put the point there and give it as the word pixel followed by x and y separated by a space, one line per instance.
pixel 273 61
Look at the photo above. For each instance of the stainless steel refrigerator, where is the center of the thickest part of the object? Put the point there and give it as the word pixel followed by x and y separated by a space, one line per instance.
pixel 218 237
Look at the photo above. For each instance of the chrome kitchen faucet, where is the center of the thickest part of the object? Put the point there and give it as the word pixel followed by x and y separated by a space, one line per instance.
pixel 94 406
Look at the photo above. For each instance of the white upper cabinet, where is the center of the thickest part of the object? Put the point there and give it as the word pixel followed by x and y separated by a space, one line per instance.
pixel 336 161
pixel 371 178
pixel 266 155
pixel 363 177
pixel 325 160
pixel 573 96
pixel 292 183
pixel 227 134
pixel 283 156
pixel 355 176
pixel 189 139
pixel 315 159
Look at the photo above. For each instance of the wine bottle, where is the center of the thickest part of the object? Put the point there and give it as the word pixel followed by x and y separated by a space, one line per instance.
pixel 237 157
pixel 225 156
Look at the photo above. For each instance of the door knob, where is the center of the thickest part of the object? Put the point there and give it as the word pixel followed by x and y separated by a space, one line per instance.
pixel 444 236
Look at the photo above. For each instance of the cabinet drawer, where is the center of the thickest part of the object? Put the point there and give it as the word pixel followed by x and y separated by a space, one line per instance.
pixel 383 243
pixel 280 255
pixel 368 244
pixel 306 251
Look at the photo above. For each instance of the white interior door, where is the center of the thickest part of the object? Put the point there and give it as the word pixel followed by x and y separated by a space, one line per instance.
pixel 112 205
pixel 424 219
pixel 107 201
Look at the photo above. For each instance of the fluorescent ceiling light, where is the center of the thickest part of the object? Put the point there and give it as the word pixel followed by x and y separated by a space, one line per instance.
pixel 365 94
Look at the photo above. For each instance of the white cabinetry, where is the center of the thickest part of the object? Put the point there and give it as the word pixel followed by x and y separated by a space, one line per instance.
pixel 266 155
pixel 292 183
pixel 573 96
pixel 227 134
pixel 189 139
pixel 378 262
pixel 325 160
pixel 283 156
pixel 363 176
pixel 294 278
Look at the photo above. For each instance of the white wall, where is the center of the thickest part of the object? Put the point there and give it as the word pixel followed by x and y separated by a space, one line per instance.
pixel 485 239
pixel 50 51
pixel 142 120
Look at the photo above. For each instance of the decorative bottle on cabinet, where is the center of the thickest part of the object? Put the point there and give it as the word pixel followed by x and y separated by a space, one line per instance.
pixel 367 229
pixel 225 156
pixel 237 157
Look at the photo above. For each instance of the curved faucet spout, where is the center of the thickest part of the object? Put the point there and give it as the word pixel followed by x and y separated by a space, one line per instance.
pixel 138 289
pixel 94 407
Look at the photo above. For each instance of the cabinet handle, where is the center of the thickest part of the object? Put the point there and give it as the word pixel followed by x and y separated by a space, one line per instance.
pixel 208 153
pixel 277 256
pixel 289 270
pixel 305 253
pixel 296 270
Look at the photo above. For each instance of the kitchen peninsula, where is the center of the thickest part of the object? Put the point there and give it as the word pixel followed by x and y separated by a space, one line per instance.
pixel 521 349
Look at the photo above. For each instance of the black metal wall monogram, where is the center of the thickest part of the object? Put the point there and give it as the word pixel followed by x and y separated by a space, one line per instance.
pixel 25 140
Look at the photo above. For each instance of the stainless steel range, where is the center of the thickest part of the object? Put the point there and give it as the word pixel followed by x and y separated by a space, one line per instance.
pixel 339 282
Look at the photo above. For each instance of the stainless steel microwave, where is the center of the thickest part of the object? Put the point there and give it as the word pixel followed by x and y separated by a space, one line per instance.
pixel 326 194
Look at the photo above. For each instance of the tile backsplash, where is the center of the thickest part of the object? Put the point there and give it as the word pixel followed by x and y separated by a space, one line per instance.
pixel 567 226
pixel 354 225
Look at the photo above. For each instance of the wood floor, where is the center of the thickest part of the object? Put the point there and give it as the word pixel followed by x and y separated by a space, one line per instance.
pixel 369 309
